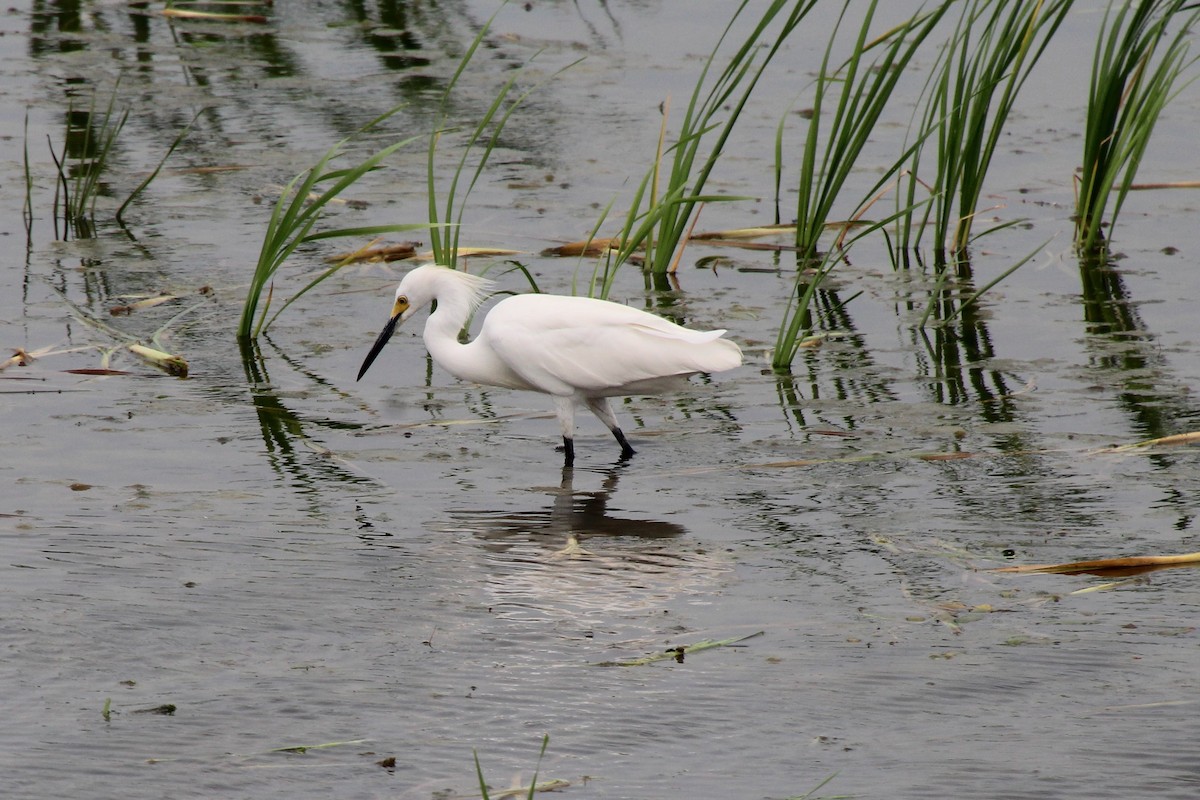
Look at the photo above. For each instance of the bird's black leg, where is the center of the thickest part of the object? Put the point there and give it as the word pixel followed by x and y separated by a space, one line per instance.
pixel 602 410
pixel 568 451
pixel 626 450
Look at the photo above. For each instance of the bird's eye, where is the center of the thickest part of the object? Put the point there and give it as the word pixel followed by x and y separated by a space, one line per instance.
pixel 402 300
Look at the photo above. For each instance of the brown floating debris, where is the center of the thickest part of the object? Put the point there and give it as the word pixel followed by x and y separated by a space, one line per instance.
pixel 589 247
pixel 744 233
pixel 468 252
pixel 171 364
pixel 1142 187
pixel 214 168
pixel 140 305
pixel 738 237
pixel 212 16
pixel 387 252
pixel 19 358
pixel 1162 441
pixel 1109 566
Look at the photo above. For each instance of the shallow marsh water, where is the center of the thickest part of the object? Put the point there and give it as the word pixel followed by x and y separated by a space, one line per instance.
pixel 291 558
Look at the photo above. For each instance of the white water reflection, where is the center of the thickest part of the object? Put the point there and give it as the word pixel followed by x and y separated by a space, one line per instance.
pixel 578 559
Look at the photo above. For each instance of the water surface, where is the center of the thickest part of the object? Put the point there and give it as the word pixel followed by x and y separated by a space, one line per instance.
pixel 294 559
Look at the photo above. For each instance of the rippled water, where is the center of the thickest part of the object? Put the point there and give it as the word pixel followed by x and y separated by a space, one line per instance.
pixel 400 568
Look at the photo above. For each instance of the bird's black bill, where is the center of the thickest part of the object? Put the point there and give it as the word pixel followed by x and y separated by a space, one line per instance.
pixel 384 335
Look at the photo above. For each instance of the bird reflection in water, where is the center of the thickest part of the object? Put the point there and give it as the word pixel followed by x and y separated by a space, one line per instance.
pixel 576 558
pixel 572 515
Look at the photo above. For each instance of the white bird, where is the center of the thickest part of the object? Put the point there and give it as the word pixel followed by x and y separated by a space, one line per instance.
pixel 575 349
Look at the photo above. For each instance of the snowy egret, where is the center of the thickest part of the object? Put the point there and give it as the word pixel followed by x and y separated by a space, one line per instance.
pixel 575 349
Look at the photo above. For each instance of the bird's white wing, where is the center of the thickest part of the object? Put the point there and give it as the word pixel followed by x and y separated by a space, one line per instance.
pixel 562 345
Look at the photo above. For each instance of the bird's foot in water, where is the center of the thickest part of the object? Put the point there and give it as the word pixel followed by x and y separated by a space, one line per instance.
pixel 568 451
pixel 573 550
pixel 626 450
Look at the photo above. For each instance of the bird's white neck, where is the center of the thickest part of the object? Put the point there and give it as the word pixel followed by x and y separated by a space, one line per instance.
pixel 455 302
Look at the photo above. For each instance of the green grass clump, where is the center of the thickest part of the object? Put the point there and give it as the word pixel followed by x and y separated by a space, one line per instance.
pixel 994 46
pixel 305 198
pixel 657 222
pixel 1137 62
pixel 296 213
pixel 864 89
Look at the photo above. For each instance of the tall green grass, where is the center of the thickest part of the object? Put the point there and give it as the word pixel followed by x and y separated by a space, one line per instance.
pixel 673 187
pixel 987 59
pixel 832 146
pixel 797 324
pixel 1137 64
pixel 988 50
pixel 300 206
pixel 832 149
pixel 304 200
pixel 445 224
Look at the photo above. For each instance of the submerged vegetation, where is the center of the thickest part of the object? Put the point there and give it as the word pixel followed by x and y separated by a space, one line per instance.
pixel 86 150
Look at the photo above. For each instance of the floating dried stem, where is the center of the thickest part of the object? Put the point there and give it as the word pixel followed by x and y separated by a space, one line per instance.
pixel 1109 566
